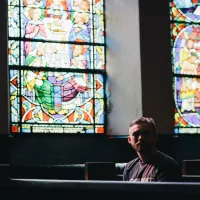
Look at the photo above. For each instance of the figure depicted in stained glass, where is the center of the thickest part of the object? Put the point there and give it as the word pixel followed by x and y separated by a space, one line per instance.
pixel 33 3
pixel 187 99
pixel 65 90
pixel 44 94
pixel 188 94
pixel 81 5
pixel 187 51
pixel 38 80
pixel 57 9
pixel 70 89
pixel 80 29
pixel 36 57
pixel 189 65
pixel 57 55
pixel 57 20
pixel 35 27
pixel 79 59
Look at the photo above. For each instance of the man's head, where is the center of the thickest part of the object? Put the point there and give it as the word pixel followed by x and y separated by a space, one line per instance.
pixel 142 134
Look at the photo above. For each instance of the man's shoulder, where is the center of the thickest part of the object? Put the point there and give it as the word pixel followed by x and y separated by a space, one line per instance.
pixel 132 163
pixel 166 160
pixel 167 168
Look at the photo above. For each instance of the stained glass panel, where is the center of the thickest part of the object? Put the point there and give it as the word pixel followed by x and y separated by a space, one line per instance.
pixel 57 94
pixel 72 26
pixel 186 49
pixel 57 66
pixel 185 34
pixel 57 98
pixel 187 103
pixel 56 55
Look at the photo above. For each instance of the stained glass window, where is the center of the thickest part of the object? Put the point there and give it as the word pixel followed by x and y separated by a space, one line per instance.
pixel 56 56
pixel 185 37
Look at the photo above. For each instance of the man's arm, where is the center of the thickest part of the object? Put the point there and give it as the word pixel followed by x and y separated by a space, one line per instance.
pixel 125 175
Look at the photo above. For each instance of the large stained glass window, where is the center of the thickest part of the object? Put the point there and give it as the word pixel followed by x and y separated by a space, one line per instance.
pixel 56 55
pixel 185 33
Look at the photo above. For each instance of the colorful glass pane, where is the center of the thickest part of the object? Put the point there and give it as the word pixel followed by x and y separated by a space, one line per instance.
pixel 186 50
pixel 99 57
pixel 98 6
pixel 99 86
pixel 99 111
pixel 56 51
pixel 56 55
pixel 13 2
pixel 59 129
pixel 56 94
pixel 100 129
pixel 14 96
pixel 185 33
pixel 15 128
pixel 187 101
pixel 13 52
pixel 185 10
pixel 98 28
pixel 13 21
pixel 72 26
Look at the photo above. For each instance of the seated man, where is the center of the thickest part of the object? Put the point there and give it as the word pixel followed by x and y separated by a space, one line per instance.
pixel 151 165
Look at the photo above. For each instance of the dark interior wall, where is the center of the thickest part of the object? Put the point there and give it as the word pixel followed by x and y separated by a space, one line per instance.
pixel 157 94
pixel 44 150
pixel 52 150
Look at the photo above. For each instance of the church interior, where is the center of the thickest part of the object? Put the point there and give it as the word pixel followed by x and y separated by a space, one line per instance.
pixel 64 130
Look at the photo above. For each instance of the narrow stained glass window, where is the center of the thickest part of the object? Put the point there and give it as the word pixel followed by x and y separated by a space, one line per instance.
pixel 56 56
pixel 185 37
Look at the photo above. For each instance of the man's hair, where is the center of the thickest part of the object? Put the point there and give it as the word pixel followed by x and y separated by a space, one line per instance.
pixel 145 120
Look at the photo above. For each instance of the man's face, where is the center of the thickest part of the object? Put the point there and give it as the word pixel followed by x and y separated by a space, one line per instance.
pixel 141 137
